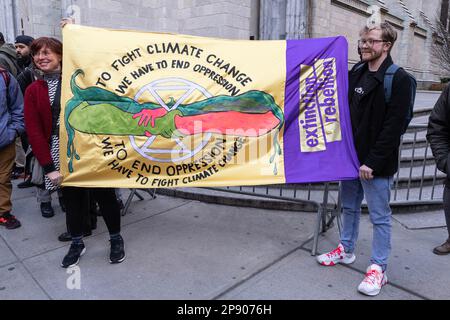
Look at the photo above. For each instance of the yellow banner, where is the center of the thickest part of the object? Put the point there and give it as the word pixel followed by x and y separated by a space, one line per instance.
pixel 161 110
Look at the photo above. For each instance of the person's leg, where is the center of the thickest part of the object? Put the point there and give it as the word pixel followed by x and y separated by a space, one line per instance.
pixel 74 199
pixel 110 210
pixel 19 167
pixel 352 195
pixel 447 209
pixel 7 156
pixel 444 248
pixel 87 226
pixel 93 212
pixel 378 195
pixel 119 198
pixel 44 197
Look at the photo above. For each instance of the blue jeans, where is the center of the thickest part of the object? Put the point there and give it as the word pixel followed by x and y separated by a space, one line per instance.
pixel 378 193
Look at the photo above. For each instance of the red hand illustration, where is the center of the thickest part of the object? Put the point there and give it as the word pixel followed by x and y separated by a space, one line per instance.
pixel 149 114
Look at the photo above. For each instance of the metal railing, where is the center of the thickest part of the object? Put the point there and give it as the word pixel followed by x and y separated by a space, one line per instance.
pixel 417 182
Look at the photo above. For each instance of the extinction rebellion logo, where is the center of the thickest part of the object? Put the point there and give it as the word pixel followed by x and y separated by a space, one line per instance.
pixel 181 151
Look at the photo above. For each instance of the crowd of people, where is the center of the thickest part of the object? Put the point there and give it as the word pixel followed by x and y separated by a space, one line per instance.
pixel 29 140
pixel 29 146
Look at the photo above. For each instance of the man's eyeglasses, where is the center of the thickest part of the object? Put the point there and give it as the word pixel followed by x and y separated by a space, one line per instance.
pixel 369 42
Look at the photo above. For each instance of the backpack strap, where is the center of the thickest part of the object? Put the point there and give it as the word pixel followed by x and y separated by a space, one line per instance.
pixel 5 76
pixel 358 66
pixel 388 80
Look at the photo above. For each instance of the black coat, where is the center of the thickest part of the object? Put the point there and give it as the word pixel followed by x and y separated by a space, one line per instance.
pixel 438 133
pixel 380 126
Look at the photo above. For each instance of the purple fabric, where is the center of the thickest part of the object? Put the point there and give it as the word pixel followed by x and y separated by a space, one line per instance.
pixel 339 160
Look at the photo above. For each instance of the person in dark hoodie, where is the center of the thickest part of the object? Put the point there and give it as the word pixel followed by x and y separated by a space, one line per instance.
pixel 438 135
pixel 22 45
pixel 8 59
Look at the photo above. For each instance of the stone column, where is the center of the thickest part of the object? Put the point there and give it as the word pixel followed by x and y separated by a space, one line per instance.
pixel 273 20
pixel 7 20
pixel 284 19
pixel 297 16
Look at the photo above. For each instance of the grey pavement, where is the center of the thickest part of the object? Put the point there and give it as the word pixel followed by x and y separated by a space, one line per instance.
pixel 182 249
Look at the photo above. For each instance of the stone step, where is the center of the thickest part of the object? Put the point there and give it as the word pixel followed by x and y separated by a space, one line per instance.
pixel 407 162
pixel 426 99
pixel 426 193
pixel 421 111
pixel 416 153
pixel 270 198
pixel 417 172
pixel 421 119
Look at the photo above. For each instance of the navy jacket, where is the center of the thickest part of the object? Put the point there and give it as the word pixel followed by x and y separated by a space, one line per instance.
pixel 11 116
pixel 438 133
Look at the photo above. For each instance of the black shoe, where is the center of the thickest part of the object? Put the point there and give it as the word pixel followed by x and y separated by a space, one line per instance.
pixel 73 256
pixel 26 184
pixel 117 254
pixel 61 204
pixel 18 173
pixel 65 237
pixel 47 210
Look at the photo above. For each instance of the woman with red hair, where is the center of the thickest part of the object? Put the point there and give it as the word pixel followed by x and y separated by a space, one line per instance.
pixel 42 118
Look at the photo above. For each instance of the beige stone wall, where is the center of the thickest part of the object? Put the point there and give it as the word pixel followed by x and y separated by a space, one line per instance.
pixel 412 50
pixel 224 19
pixel 238 19
pixel 338 22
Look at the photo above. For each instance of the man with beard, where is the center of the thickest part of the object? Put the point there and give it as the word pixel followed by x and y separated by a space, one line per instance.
pixel 22 45
pixel 377 128
pixel 8 57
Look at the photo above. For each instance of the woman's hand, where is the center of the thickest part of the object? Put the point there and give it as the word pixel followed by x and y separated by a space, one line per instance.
pixel 55 177
pixel 66 21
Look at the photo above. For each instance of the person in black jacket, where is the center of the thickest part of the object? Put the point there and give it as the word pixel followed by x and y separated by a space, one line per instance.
pixel 438 135
pixel 22 44
pixel 377 129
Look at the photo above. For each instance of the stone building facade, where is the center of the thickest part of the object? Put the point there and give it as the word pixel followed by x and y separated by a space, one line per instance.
pixel 415 21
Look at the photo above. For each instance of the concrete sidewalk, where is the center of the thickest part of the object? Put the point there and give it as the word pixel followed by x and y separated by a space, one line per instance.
pixel 181 249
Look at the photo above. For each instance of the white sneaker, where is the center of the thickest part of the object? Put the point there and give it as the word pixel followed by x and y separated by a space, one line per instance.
pixel 336 256
pixel 373 282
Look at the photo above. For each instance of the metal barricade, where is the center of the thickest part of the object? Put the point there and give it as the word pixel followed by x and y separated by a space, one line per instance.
pixel 133 193
pixel 416 183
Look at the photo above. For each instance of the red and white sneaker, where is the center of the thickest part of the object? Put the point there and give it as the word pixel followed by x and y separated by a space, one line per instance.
pixel 336 256
pixel 373 282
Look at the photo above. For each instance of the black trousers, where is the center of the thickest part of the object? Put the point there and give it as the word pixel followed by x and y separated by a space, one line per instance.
pixel 447 207
pixel 78 204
